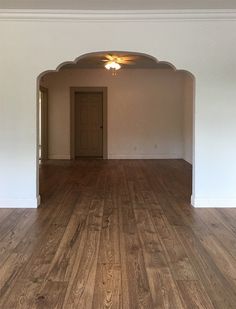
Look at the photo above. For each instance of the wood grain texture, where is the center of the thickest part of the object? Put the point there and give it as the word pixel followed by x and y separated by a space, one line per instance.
pixel 117 234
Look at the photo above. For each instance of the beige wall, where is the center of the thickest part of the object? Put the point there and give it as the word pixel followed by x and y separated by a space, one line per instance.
pixel 145 112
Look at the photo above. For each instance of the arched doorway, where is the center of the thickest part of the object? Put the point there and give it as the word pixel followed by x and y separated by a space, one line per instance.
pixel 176 147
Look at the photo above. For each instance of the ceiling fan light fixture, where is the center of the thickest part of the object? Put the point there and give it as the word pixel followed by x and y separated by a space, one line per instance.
pixel 112 65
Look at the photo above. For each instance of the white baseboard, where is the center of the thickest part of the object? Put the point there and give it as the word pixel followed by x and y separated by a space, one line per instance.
pixel 127 156
pixel 187 160
pixel 145 156
pixel 59 157
pixel 20 203
pixel 213 202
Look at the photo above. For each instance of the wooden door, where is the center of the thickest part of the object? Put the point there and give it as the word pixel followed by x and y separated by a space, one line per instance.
pixel 88 124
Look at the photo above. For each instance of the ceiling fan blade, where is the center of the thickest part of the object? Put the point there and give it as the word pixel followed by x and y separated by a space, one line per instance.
pixel 127 60
pixel 122 61
pixel 130 58
pixel 109 57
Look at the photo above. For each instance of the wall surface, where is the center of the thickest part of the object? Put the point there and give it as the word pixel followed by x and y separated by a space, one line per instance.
pixel 188 105
pixel 145 111
pixel 205 47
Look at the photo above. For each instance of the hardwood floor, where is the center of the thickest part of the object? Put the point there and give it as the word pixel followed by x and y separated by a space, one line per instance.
pixel 117 234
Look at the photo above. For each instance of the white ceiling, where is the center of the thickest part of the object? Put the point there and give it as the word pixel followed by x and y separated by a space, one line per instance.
pixel 118 4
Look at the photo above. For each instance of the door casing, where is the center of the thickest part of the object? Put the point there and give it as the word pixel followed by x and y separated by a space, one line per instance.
pixel 44 123
pixel 73 91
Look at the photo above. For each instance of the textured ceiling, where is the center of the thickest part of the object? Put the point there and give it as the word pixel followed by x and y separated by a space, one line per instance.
pixel 95 61
pixel 117 5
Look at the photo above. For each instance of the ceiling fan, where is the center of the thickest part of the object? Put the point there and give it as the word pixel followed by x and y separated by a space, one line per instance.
pixel 114 62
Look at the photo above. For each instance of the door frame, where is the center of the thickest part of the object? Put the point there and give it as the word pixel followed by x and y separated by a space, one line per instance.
pixel 73 91
pixel 44 123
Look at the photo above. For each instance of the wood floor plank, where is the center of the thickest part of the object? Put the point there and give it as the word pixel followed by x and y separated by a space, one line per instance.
pixel 62 264
pixel 177 257
pixel 107 292
pixel 80 293
pixel 36 260
pixel 135 286
pixel 217 226
pixel 228 216
pixel 194 294
pixel 51 295
pixel 216 285
pixel 4 213
pixel 10 221
pixel 154 253
pixel 164 289
pixel 14 236
pixel 156 263
pixel 117 234
pixel 110 236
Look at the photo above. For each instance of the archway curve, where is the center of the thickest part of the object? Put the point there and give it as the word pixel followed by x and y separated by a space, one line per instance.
pixel 155 60
pixel 86 55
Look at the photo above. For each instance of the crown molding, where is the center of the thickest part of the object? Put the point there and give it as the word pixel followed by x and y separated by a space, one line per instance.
pixel 114 15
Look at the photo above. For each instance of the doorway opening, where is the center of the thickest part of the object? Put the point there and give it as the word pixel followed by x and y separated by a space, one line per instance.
pixel 140 109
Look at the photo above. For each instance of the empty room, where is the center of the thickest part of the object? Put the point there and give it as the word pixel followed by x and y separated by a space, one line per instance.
pixel 117 170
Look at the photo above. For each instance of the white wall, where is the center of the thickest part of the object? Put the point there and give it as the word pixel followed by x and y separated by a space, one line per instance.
pixel 188 104
pixel 145 111
pixel 204 46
